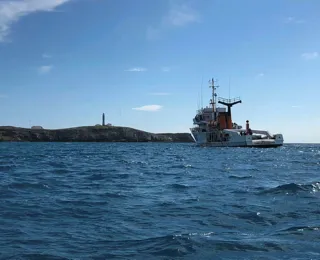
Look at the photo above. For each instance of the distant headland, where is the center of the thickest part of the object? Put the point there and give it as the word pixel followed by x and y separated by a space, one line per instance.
pixel 98 133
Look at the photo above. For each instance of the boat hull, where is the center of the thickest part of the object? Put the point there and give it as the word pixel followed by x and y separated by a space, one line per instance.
pixel 240 145
pixel 236 140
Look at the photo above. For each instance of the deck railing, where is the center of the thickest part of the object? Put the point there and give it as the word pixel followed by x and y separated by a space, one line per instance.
pixel 227 100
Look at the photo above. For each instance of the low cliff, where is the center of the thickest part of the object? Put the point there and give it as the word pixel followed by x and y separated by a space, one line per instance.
pixel 88 134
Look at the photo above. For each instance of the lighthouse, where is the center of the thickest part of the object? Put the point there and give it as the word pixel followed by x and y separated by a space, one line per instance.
pixel 103 120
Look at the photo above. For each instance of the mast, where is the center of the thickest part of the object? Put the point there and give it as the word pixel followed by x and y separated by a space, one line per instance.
pixel 213 101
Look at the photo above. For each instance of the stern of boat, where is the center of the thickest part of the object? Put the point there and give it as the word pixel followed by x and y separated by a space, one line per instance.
pixel 278 139
pixel 275 141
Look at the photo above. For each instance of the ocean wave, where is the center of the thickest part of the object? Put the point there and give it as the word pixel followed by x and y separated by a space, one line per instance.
pixel 158 201
pixel 240 177
pixel 293 188
pixel 178 186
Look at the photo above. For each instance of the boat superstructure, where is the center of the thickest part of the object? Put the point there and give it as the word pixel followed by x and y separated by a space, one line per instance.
pixel 213 126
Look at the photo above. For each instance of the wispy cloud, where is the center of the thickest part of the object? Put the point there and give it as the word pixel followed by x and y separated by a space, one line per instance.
pixel 3 96
pixel 260 75
pixel 178 15
pixel 136 69
pixel 294 20
pixel 310 55
pixel 45 69
pixel 153 33
pixel 46 56
pixel 294 106
pixel 149 108
pixel 12 10
pixel 165 69
pixel 160 94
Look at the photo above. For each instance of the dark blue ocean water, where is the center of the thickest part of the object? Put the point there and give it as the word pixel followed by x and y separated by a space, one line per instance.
pixel 158 201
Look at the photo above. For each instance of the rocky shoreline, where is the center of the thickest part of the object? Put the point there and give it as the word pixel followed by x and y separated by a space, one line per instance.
pixel 89 134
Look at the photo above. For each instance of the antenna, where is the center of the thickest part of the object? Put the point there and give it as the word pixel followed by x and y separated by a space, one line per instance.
pixel 201 92
pixel 214 94
pixel 198 103
pixel 229 86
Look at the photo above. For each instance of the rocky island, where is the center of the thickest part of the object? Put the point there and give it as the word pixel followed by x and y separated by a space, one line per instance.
pixel 88 134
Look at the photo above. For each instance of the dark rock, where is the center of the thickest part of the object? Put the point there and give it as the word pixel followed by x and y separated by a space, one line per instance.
pixel 89 134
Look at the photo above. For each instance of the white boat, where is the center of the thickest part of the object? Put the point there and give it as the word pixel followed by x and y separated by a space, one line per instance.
pixel 214 127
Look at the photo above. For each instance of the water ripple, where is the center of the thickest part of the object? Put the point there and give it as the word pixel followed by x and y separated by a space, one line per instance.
pixel 158 201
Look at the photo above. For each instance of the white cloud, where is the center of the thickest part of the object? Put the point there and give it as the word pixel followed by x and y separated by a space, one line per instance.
pixel 149 108
pixel 153 33
pixel 166 69
pixel 46 56
pixel 45 69
pixel 137 69
pixel 260 75
pixel 293 20
pixel 12 10
pixel 294 106
pixel 310 55
pixel 178 15
pixel 160 94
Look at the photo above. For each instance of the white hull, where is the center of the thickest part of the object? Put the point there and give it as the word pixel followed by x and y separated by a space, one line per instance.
pixel 236 140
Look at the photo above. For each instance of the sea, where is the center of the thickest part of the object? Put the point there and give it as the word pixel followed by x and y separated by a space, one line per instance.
pixel 158 201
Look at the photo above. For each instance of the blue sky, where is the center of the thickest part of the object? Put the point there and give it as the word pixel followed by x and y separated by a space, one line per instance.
pixel 65 62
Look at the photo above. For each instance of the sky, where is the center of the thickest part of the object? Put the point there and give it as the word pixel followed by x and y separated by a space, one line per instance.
pixel 146 64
